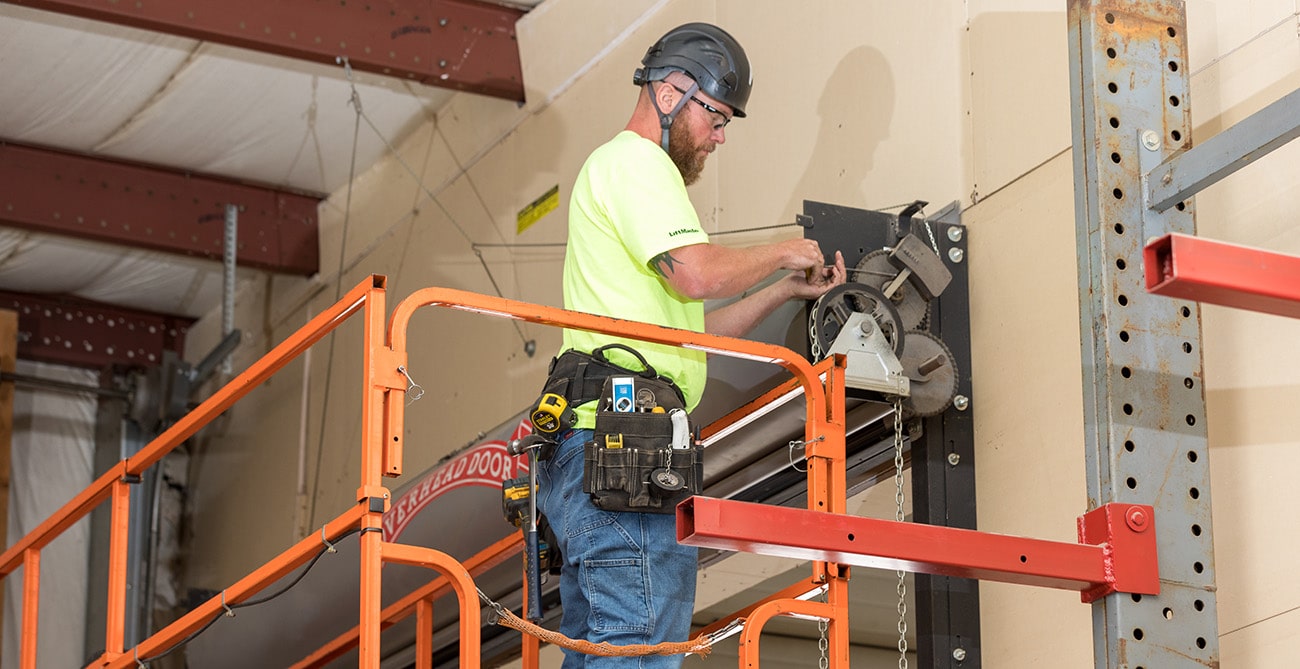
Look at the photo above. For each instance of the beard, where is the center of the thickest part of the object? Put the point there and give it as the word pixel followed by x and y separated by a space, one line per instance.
pixel 685 153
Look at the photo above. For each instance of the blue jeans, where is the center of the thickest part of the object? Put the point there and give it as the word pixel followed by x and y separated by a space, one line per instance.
pixel 625 578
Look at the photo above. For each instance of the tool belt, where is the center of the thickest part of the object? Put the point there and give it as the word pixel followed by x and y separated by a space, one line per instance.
pixel 580 377
pixel 640 460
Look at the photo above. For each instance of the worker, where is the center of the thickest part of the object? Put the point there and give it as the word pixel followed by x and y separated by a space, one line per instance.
pixel 636 250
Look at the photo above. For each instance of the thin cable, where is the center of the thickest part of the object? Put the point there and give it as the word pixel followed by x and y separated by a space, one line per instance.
pixel 520 245
pixel 528 345
pixel 355 101
pixel 226 608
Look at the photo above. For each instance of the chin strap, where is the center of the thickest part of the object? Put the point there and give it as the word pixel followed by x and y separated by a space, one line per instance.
pixel 666 120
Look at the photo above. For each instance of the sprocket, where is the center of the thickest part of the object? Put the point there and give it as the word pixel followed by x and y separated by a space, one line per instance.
pixel 831 311
pixel 876 271
pixel 930 367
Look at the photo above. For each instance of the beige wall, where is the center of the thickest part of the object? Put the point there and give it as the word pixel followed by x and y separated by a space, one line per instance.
pixel 866 104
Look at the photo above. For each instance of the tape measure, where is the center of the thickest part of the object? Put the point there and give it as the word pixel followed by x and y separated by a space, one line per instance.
pixel 552 414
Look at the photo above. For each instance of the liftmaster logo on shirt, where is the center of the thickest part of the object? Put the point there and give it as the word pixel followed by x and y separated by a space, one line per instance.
pixel 682 231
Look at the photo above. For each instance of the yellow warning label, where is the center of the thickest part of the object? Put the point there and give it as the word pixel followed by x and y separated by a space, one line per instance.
pixel 539 208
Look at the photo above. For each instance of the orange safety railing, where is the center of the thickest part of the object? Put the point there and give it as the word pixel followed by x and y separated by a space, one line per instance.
pixel 383 405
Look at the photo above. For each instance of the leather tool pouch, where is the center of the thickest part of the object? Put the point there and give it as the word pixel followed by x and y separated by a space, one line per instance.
pixel 630 465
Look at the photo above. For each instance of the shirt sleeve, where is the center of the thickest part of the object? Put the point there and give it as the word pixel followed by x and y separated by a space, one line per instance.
pixel 649 206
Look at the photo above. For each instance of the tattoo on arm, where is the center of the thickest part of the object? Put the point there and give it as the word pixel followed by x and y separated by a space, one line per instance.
pixel 664 262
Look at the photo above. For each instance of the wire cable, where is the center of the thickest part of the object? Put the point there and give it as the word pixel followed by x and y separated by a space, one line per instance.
pixel 229 609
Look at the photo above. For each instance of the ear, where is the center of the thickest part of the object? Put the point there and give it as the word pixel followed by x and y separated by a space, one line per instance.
pixel 665 96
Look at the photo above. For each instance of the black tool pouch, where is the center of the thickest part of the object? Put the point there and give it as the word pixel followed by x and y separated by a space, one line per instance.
pixel 630 464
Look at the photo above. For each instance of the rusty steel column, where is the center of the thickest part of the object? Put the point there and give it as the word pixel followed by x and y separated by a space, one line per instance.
pixel 1144 405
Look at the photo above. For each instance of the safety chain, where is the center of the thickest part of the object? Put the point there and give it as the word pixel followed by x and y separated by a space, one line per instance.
pixel 898 515
pixel 823 645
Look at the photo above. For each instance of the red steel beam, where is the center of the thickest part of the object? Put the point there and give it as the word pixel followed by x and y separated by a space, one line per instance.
pixel 459 44
pixel 1225 274
pixel 82 333
pixel 155 208
pixel 1119 554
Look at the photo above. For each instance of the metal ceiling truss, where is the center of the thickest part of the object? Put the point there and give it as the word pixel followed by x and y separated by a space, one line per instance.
pixel 1144 405
pixel 81 333
pixel 463 45
pixel 156 208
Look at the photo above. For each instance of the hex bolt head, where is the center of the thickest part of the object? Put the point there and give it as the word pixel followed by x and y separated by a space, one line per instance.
pixel 1136 519
pixel 956 254
pixel 954 234
pixel 959 654
pixel 954 459
pixel 866 327
pixel 961 402
pixel 1150 140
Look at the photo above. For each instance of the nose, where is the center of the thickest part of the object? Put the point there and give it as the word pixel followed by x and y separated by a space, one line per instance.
pixel 720 134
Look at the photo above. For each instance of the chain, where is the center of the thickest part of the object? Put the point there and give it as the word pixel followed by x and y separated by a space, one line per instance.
pixel 898 515
pixel 823 645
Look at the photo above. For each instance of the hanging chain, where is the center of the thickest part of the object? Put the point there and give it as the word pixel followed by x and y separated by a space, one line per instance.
pixel 823 645
pixel 898 515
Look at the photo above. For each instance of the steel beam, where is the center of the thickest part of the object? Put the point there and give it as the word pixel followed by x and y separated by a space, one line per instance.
pixel 1144 406
pixel 1185 174
pixel 463 45
pixel 1120 555
pixel 155 208
pixel 81 333
pixel 1201 270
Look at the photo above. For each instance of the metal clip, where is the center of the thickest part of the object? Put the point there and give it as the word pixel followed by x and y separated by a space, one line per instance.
pixel 138 663
pixel 411 397
pixel 230 613
pixel 329 547
pixel 799 443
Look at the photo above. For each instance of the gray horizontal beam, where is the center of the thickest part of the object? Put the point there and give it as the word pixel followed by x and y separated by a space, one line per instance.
pixel 1186 174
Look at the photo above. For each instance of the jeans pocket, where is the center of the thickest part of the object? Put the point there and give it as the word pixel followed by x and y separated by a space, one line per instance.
pixel 617 591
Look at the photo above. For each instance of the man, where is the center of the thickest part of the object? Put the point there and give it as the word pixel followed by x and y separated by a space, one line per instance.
pixel 636 251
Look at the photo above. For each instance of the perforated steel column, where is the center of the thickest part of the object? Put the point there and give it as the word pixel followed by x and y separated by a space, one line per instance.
pixel 1144 404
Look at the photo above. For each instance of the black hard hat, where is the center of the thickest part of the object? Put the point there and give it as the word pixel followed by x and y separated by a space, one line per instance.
pixel 709 55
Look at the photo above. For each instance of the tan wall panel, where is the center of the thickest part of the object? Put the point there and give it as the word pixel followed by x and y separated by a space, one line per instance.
pixel 1028 406
pixel 1019 92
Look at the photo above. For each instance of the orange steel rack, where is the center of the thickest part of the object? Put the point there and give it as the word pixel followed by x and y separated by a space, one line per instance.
pixel 1117 557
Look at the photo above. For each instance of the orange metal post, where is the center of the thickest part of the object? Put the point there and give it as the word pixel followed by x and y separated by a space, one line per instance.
pixel 115 633
pixel 372 495
pixel 470 618
pixel 31 607
pixel 424 634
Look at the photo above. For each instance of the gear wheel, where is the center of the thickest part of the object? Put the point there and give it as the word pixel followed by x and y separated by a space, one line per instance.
pixel 876 271
pixel 929 365
pixel 831 311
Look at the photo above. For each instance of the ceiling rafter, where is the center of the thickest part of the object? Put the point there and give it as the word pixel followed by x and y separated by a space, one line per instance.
pixel 466 45
pixel 156 208
pixel 81 333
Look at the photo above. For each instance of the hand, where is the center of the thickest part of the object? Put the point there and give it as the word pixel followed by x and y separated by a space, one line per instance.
pixel 801 254
pixel 816 281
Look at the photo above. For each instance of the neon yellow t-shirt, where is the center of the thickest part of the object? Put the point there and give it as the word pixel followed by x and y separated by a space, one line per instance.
pixel 629 205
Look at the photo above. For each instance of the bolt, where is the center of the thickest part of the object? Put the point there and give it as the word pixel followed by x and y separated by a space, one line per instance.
pixel 1136 518
pixel 955 254
pixel 959 654
pixel 866 327
pixel 442 63
pixel 1151 140
pixel 954 459
pixel 954 234
pixel 442 22
pixel 961 402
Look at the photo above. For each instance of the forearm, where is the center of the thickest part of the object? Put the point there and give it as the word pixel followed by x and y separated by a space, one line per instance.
pixel 742 316
pixel 708 271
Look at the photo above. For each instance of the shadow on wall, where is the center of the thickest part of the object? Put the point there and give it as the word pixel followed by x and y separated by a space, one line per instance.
pixel 856 106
